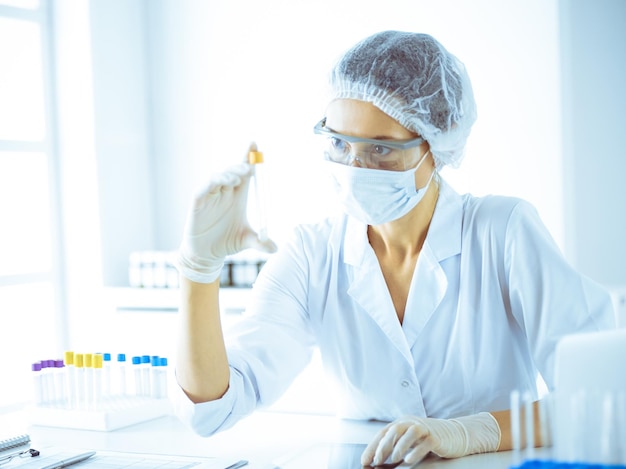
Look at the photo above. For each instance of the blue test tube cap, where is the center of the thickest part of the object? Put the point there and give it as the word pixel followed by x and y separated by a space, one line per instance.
pixel 121 357
pixel 163 361
pixel 145 359
pixel 136 360
pixel 155 361
pixel 106 357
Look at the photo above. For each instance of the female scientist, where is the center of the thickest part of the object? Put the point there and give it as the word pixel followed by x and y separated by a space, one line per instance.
pixel 428 307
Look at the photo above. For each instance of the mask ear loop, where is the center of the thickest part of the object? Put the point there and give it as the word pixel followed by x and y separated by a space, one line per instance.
pixel 426 153
pixel 432 175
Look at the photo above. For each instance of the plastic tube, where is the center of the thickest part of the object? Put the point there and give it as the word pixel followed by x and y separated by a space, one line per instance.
pixel 97 382
pixel 121 374
pixel 155 389
pixel 530 425
pixel 255 158
pixel 136 361
pixel 37 384
pixel 70 381
pixel 145 375
pixel 106 375
pixel 89 393
pixel 163 376
pixel 80 380
pixel 59 383
pixel 516 439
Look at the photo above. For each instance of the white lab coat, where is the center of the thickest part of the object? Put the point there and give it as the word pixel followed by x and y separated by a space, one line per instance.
pixel 490 297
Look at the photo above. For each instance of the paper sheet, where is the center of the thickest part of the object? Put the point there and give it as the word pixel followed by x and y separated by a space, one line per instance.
pixel 117 460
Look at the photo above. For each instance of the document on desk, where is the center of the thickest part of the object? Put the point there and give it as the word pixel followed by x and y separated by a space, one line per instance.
pixel 112 459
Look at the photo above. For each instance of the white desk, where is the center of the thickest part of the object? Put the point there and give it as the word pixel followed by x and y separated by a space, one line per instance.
pixel 261 438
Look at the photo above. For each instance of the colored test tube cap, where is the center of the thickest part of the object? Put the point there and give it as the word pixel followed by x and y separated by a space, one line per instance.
pixel 97 361
pixel 255 157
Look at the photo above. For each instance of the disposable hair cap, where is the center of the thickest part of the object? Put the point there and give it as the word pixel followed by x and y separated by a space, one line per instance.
pixel 412 78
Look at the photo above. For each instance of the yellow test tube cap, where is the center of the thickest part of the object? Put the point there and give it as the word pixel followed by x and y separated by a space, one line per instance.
pixel 68 358
pixel 97 361
pixel 78 360
pixel 255 157
pixel 88 360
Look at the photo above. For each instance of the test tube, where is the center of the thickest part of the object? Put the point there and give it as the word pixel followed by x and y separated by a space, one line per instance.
pixel 45 391
pixel 155 389
pixel 530 425
pixel 516 440
pixel 47 382
pixel 97 381
pixel 106 375
pixel 255 158
pixel 545 420
pixel 70 382
pixel 80 380
pixel 89 400
pixel 59 383
pixel 121 374
pixel 163 376
pixel 37 384
pixel 136 361
pixel 145 375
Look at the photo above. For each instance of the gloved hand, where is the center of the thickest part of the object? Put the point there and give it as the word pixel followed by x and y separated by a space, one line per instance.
pixel 412 438
pixel 217 225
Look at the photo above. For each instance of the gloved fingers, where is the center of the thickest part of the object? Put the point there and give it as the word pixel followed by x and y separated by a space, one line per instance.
pixel 388 441
pixel 224 189
pixel 367 457
pixel 419 452
pixel 230 178
pixel 251 240
pixel 412 439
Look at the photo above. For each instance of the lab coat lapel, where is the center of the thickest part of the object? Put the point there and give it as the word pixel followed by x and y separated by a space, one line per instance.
pixel 429 283
pixel 368 287
pixel 428 288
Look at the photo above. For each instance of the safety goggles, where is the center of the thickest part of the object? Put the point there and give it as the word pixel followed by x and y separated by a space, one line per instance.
pixel 390 155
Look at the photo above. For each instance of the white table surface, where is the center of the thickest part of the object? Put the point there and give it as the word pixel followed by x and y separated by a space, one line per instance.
pixel 262 438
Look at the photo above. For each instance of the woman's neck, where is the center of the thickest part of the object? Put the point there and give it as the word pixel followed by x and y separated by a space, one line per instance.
pixel 405 236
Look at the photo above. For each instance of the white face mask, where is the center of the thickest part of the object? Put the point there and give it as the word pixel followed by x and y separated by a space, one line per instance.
pixel 376 196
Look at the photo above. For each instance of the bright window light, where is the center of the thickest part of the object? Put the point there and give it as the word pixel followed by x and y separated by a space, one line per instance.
pixel 21 85
pixel 25 213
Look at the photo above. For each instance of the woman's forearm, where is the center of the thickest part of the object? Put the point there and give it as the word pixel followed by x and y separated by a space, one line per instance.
pixel 201 362
pixel 503 418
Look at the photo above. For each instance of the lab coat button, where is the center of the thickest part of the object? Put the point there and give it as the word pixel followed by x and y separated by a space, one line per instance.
pixel 405 383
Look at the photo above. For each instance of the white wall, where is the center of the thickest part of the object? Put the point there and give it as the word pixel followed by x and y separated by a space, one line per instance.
pixel 123 136
pixel 593 37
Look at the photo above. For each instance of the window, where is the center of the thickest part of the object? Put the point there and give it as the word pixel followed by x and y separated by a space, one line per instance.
pixel 30 279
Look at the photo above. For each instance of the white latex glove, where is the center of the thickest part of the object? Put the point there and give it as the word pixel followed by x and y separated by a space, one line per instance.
pixel 217 226
pixel 412 438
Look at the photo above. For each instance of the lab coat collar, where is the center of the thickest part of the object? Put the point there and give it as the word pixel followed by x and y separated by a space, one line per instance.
pixel 445 231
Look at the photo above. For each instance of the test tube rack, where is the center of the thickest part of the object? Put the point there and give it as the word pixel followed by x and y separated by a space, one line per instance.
pixel 89 392
pixel 117 413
